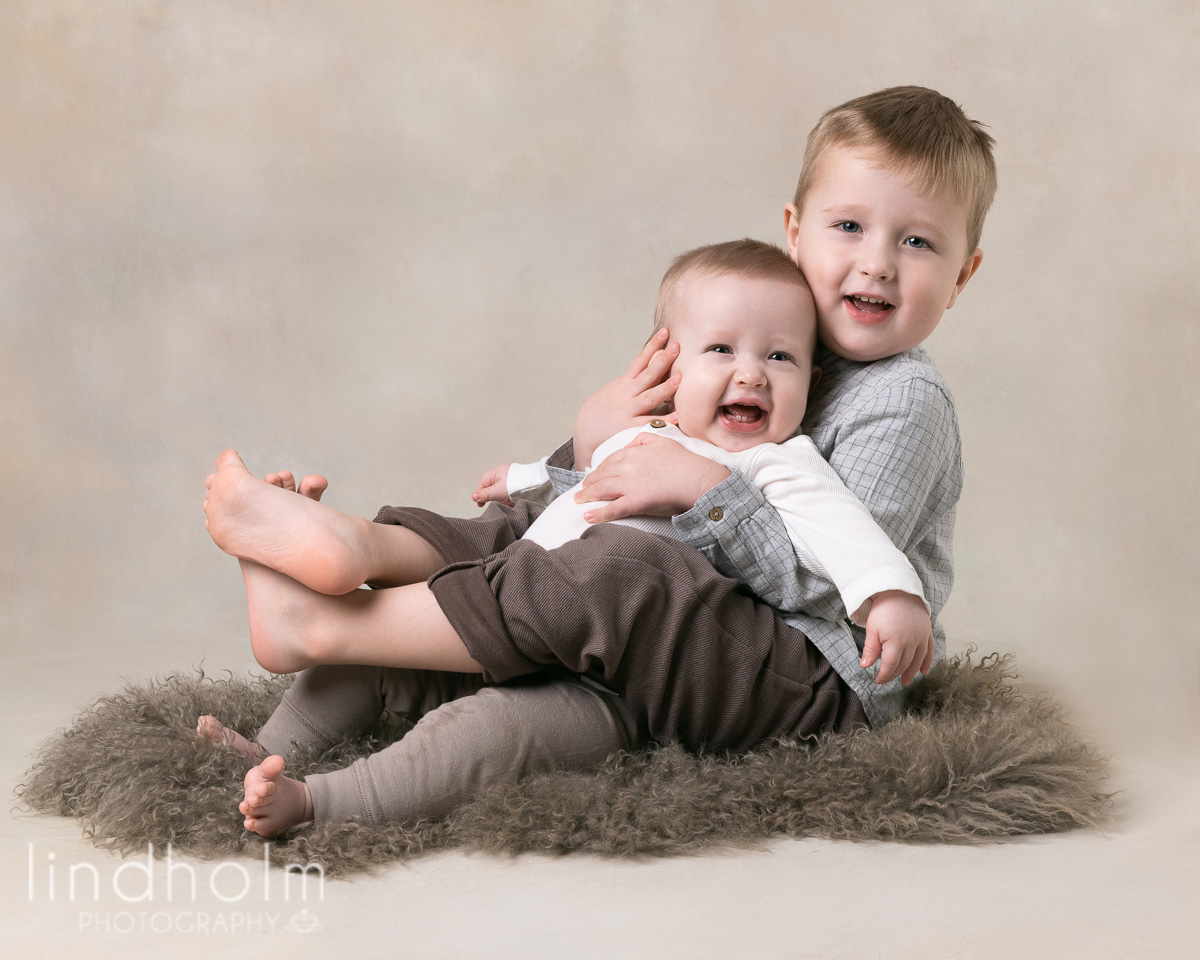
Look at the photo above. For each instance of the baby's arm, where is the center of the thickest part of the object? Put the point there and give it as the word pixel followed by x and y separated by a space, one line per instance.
pixel 895 448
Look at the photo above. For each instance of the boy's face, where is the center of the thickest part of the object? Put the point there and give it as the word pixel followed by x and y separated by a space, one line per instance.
pixel 745 358
pixel 884 262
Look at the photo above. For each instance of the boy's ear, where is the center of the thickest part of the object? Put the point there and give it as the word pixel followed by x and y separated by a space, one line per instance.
pixel 791 228
pixel 970 265
pixel 814 379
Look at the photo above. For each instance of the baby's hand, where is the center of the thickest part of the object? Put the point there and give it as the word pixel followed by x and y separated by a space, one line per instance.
pixel 493 485
pixel 898 629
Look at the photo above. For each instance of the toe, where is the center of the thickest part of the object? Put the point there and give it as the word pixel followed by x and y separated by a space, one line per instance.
pixel 313 486
pixel 287 479
pixel 229 458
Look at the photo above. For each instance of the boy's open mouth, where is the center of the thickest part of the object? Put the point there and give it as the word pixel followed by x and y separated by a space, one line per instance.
pixel 868 309
pixel 742 416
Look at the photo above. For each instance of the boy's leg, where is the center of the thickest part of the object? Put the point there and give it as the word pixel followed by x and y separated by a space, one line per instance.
pixel 293 628
pixel 696 657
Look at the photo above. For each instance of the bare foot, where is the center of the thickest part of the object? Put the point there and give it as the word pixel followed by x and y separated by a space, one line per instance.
pixel 282 618
pixel 210 728
pixel 274 803
pixel 322 548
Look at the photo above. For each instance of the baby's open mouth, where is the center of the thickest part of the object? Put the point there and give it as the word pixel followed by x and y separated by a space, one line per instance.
pixel 743 413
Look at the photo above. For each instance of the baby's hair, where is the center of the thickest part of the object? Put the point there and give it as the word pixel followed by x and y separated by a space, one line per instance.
pixel 917 129
pixel 745 258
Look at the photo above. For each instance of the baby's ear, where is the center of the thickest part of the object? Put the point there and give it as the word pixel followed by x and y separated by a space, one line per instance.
pixel 816 378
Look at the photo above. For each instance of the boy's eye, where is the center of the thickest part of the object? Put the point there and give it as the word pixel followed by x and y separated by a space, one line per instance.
pixel 917 243
pixel 848 226
pixel 780 355
pixel 719 348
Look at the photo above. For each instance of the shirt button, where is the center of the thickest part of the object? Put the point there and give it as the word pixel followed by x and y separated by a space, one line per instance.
pixel 716 513
pixel 657 424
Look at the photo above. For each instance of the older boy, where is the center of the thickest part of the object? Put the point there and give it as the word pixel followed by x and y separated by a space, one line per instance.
pixel 885 224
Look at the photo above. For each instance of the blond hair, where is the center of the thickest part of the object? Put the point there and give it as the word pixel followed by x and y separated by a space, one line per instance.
pixel 916 129
pixel 745 258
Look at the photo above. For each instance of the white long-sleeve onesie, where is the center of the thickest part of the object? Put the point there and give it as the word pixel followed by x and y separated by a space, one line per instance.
pixel 833 534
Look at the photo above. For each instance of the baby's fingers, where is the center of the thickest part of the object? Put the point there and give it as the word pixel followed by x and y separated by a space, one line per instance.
pixel 871 650
pixel 890 664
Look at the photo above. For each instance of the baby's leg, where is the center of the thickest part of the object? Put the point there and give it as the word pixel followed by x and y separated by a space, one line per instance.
pixel 328 704
pixel 499 735
pixel 323 548
pixel 293 628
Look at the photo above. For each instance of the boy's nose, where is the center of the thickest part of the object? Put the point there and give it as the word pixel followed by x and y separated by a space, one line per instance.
pixel 876 262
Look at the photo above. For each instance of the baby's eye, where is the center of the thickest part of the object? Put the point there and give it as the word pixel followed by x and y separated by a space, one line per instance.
pixel 917 243
pixel 719 348
pixel 848 226
pixel 780 355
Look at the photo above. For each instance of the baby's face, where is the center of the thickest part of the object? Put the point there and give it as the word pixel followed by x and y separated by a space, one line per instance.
pixel 884 260
pixel 745 358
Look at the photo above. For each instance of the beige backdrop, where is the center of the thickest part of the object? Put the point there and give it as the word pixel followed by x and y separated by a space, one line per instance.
pixel 399 243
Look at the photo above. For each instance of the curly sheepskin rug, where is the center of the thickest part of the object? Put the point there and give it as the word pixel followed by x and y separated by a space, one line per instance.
pixel 972 760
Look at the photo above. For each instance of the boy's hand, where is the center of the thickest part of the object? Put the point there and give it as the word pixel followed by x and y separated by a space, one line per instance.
pixel 493 485
pixel 652 475
pixel 898 629
pixel 628 401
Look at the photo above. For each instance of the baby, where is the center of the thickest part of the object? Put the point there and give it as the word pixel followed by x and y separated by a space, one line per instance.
pixel 746 327
pixel 745 323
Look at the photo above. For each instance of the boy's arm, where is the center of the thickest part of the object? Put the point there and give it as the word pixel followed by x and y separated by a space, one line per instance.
pixel 630 399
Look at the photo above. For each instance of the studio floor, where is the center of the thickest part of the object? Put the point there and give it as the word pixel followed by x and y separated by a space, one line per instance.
pixel 1125 892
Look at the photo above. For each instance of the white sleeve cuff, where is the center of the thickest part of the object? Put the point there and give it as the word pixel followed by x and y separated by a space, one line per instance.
pixel 529 481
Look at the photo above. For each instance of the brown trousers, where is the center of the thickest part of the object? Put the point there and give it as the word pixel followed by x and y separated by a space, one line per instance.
pixel 695 657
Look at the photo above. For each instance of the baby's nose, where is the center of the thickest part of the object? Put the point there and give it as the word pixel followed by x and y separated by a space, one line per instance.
pixel 751 375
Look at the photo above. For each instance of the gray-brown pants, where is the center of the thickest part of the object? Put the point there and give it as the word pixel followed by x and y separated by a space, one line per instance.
pixel 468 735
pixel 696 658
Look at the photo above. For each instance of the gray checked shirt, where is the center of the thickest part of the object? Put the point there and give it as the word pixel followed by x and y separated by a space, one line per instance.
pixel 889 431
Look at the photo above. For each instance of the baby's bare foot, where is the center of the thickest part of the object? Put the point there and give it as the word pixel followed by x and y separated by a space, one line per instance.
pixel 210 728
pixel 313 544
pixel 274 803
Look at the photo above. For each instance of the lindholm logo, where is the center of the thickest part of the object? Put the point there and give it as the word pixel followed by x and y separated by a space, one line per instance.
pixel 136 882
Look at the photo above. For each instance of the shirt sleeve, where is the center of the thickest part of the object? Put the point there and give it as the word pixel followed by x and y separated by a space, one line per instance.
pixel 560 466
pixel 890 452
pixel 833 534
